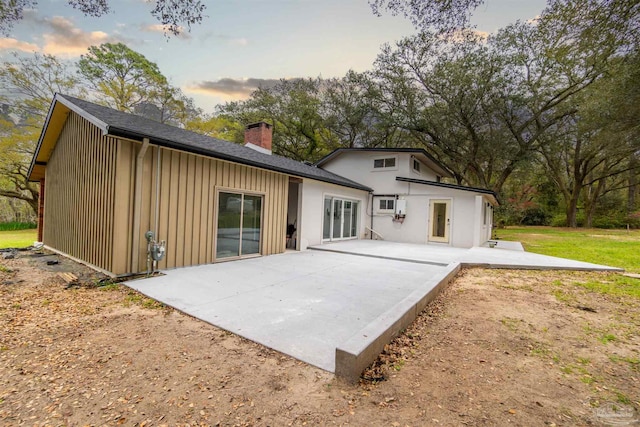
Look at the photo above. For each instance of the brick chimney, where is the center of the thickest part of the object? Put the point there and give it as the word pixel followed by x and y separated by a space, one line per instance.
pixel 258 136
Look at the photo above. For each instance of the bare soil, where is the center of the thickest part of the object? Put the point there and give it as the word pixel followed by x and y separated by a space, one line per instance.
pixel 497 347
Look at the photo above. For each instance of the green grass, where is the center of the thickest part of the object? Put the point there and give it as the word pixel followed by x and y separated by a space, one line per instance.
pixel 616 285
pixel 616 248
pixel 14 225
pixel 17 238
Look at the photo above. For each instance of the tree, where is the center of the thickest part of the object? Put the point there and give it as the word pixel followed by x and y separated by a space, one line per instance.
pixel 293 108
pixel 217 126
pixel 441 15
pixel 594 151
pixel 350 109
pixel 170 105
pixel 30 84
pixel 174 15
pixel 125 77
pixel 485 108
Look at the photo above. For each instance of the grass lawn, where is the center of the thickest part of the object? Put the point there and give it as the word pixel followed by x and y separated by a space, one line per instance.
pixel 17 238
pixel 616 248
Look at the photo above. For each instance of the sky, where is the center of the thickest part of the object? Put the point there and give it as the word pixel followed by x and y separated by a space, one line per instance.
pixel 240 44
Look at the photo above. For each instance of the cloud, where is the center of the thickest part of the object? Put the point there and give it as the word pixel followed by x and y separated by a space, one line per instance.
pixel 534 21
pixel 60 36
pixel 68 40
pixel 232 89
pixel 164 29
pixel 13 44
pixel 229 40
pixel 460 36
pixel 238 42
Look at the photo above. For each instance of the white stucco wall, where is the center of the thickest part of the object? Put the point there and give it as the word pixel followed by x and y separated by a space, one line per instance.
pixel 414 228
pixel 467 223
pixel 312 207
pixel 358 166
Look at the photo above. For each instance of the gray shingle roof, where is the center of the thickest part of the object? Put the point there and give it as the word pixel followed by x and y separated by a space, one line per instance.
pixel 123 124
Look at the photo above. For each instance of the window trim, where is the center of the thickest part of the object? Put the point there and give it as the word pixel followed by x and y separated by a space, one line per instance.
pixel 387 210
pixel 384 168
pixel 415 162
pixel 356 214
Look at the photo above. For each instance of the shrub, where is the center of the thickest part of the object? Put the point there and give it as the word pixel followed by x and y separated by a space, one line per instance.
pixel 559 220
pixel 535 216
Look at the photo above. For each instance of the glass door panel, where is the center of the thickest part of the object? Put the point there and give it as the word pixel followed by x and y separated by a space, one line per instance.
pixel 440 221
pixel 439 218
pixel 228 235
pixel 337 219
pixel 326 222
pixel 251 227
pixel 347 218
pixel 354 220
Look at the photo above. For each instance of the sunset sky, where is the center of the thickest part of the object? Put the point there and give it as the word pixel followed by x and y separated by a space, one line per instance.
pixel 240 44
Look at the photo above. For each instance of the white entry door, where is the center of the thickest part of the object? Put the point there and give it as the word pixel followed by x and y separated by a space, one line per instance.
pixel 439 220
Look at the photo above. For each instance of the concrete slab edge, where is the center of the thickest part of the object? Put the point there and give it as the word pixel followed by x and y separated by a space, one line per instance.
pixel 354 355
pixel 415 261
pixel 540 267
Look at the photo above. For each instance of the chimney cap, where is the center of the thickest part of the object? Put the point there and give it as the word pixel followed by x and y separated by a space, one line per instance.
pixel 258 124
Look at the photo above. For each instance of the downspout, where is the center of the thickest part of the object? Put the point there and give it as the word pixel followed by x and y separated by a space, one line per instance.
pixel 157 213
pixel 371 216
pixel 137 207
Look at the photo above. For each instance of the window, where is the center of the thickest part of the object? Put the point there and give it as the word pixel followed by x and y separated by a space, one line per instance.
pixel 389 162
pixel 387 205
pixel 416 165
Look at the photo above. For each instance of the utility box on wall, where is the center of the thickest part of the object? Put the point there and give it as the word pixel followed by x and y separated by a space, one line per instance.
pixel 401 207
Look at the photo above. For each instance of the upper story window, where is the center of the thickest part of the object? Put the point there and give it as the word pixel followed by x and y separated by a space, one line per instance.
pixel 416 165
pixel 387 162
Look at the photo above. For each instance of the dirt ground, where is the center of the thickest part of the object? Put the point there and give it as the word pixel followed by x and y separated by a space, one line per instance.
pixel 497 347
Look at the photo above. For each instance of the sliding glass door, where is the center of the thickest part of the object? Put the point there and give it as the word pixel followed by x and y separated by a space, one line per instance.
pixel 340 219
pixel 239 225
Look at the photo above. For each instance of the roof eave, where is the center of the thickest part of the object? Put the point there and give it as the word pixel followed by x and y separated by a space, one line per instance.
pixel 493 197
pixel 54 116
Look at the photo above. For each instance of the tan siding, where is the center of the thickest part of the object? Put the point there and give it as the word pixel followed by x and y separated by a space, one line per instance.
pixel 90 190
pixel 122 234
pixel 80 194
pixel 187 220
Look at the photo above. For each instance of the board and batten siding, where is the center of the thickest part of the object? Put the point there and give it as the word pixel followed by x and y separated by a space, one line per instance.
pixel 187 202
pixel 89 202
pixel 81 194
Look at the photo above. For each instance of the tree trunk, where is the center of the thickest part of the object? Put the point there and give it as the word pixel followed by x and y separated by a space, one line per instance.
pixel 633 185
pixel 572 212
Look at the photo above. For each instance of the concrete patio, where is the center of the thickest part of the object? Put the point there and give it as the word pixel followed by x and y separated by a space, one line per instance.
pixel 504 255
pixel 334 306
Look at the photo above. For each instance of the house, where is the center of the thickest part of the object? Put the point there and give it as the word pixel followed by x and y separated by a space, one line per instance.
pixel 108 178
pixel 410 203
